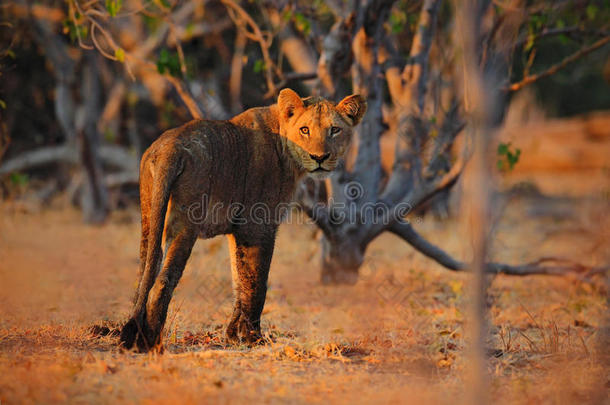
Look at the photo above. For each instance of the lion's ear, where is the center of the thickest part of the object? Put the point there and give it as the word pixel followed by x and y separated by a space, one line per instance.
pixel 289 103
pixel 352 108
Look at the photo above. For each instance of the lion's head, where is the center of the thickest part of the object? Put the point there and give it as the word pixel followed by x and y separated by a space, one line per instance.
pixel 317 130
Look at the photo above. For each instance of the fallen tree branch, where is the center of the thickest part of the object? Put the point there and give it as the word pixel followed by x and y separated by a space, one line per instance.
pixel 557 67
pixel 119 157
pixel 545 265
pixel 112 155
pixel 121 178
pixel 39 157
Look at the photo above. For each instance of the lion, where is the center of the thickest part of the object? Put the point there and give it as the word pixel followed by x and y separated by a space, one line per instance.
pixel 204 178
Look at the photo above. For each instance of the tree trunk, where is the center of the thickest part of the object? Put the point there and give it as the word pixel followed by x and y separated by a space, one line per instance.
pixel 93 197
pixel 422 169
pixel 341 259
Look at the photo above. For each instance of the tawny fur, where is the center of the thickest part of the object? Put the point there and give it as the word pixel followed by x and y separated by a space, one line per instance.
pixel 207 178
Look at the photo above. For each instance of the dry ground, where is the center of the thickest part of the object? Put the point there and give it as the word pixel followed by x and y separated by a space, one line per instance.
pixel 396 337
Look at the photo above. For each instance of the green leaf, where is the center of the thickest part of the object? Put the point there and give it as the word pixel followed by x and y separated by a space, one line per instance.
pixel 2 104
pixel 19 179
pixel 513 158
pixel 507 158
pixel 151 22
pixel 302 23
pixel 287 15
pixel 503 148
pixel 119 54
pixel 259 66
pixel 113 7
pixel 169 62
pixel 109 135
pixel 398 21
pixel 164 56
pixel 69 29
pixel 190 28
pixel 592 11
pixel 530 42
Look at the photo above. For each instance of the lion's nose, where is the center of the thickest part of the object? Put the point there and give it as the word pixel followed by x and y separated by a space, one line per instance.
pixel 320 159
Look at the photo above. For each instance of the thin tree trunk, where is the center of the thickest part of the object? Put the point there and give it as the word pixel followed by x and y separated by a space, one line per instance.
pixel 94 197
pixel 479 101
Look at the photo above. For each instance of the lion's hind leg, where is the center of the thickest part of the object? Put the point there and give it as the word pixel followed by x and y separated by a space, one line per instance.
pixel 180 236
pixel 159 185
pixel 145 207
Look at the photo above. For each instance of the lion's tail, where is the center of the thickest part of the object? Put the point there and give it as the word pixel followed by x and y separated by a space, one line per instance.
pixel 166 172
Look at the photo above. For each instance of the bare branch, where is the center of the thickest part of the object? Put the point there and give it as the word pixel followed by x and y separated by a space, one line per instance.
pixel 408 90
pixel 38 11
pixel 138 57
pixel 120 157
pixel 184 92
pixel 121 178
pixel 113 104
pixel 445 182
pixel 553 32
pixel 335 58
pixel 557 67
pixel 295 76
pixel 116 156
pixel 236 72
pixel 414 75
pixel 39 157
pixel 299 53
pixel 258 36
pixel 367 81
pixel 201 29
pixel 547 265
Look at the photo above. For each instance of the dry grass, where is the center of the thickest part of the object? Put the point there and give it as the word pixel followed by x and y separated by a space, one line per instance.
pixel 396 337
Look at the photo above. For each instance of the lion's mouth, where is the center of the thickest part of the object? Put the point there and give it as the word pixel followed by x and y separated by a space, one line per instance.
pixel 320 169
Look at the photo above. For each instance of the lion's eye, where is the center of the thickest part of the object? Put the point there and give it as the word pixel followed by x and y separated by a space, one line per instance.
pixel 304 131
pixel 335 130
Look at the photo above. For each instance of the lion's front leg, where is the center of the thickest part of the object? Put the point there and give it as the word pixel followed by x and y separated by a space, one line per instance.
pixel 250 260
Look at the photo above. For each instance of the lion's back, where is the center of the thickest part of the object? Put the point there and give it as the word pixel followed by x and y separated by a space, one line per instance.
pixel 202 140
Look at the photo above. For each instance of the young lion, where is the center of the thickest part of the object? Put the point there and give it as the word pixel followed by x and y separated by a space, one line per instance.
pixel 204 179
